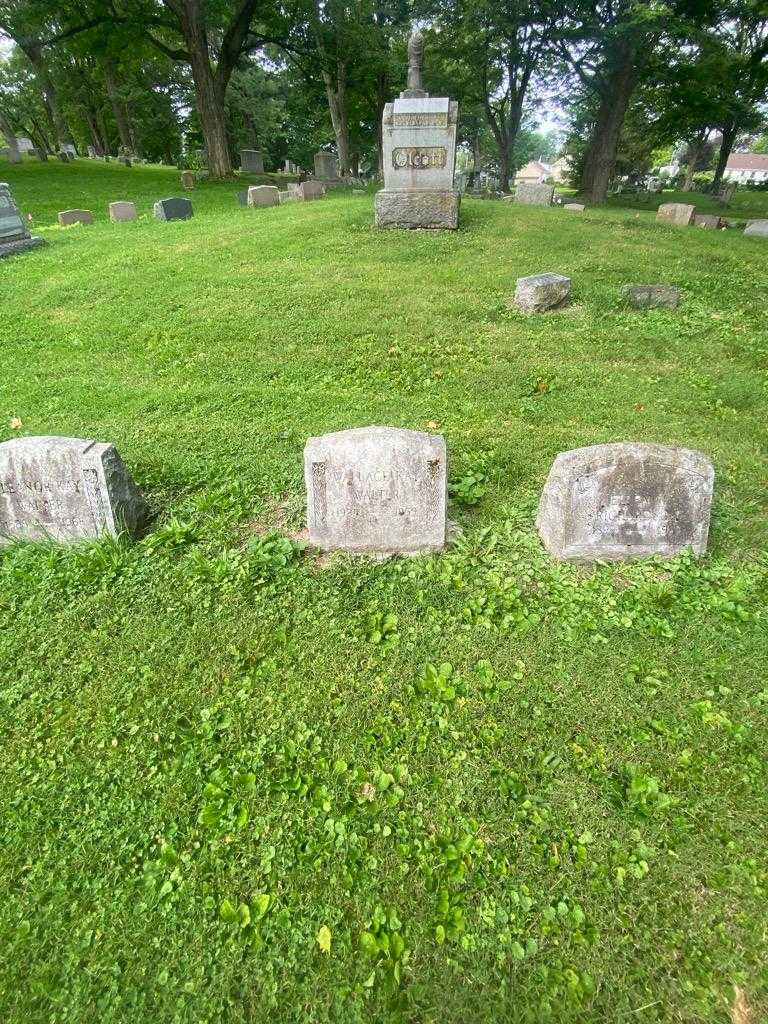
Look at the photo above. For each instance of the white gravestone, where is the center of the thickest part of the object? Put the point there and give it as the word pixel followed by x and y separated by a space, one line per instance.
pixel 65 489
pixel 376 490
pixel 419 136
pixel 756 229
pixel 531 193
pixel 626 500
pixel 263 195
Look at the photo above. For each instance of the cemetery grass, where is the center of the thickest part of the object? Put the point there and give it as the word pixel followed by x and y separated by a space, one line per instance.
pixel 242 782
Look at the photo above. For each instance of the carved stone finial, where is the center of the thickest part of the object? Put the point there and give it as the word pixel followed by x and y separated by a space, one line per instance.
pixel 415 59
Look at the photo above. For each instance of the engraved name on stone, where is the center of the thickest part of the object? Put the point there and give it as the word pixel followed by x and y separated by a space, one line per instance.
pixel 418 158
pixel 435 120
pixel 377 489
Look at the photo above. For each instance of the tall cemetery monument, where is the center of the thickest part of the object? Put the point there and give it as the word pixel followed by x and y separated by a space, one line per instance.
pixel 419 133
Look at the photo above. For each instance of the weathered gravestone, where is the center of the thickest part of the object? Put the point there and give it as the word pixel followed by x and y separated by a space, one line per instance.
pixel 757 229
pixel 311 190
pixel 378 490
pixel 289 197
pixel 67 217
pixel 263 195
pixel 122 211
pixel 188 180
pixel 680 214
pixel 626 500
pixel 251 161
pixel 706 220
pixel 650 296
pixel 14 236
pixel 532 194
pixel 326 166
pixel 173 209
pixel 574 207
pixel 419 151
pixel 539 292
pixel 65 489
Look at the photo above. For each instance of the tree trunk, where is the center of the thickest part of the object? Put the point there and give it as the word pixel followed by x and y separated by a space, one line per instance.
pixel 118 110
pixel 33 51
pixel 729 137
pixel 337 104
pixel 210 111
pixel 600 164
pixel 5 130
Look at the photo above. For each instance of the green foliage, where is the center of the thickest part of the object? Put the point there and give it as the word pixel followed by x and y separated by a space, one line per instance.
pixel 509 788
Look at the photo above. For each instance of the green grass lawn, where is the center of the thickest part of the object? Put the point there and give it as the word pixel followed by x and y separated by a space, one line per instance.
pixel 241 783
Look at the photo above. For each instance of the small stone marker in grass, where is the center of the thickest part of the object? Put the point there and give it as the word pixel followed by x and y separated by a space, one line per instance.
pixel 251 161
pixel 626 500
pixel 65 489
pixel 289 197
pixel 326 166
pixel 311 190
pixel 706 220
pixel 756 229
pixel 680 214
pixel 540 292
pixel 188 180
pixel 530 193
pixel 574 207
pixel 173 209
pixel 263 195
pixel 122 211
pixel 651 296
pixel 376 490
pixel 67 217
pixel 14 236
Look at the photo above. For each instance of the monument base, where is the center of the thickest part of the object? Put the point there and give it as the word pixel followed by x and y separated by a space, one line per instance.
pixel 417 209
pixel 21 245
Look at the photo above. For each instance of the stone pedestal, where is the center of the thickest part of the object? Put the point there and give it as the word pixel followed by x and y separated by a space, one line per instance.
pixel 419 135
pixel 251 161
pixel 14 236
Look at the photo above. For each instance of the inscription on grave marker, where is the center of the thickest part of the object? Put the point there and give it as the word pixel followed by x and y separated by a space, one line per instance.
pixel 418 158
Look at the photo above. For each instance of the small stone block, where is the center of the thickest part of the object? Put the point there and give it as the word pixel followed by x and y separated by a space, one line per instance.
pixel 574 207
pixel 376 490
pixel 173 209
pixel 122 211
pixel 651 296
pixel 263 195
pixel 626 500
pixel 289 197
pixel 311 190
pixel 756 229
pixel 67 217
pixel 531 194
pixel 438 209
pixel 65 489
pixel 540 292
pixel 188 180
pixel 680 214
pixel 706 220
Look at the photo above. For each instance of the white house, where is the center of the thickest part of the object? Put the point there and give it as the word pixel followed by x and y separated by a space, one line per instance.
pixel 747 167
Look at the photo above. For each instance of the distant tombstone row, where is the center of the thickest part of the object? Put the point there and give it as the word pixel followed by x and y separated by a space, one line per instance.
pixel 164 209
pixel 383 491
pixel 14 236
pixel 684 215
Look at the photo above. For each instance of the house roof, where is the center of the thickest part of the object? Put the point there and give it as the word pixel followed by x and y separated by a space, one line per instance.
pixel 535 167
pixel 747 162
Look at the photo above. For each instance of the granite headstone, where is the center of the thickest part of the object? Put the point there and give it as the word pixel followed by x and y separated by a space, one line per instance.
pixel 263 195
pixel 681 214
pixel 379 490
pixel 122 211
pixel 68 217
pixel 251 161
pixel 14 236
pixel 540 292
pixel 173 209
pixel 531 193
pixel 626 500
pixel 65 489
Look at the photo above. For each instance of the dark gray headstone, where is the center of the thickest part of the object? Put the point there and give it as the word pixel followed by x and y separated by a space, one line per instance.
pixel 14 236
pixel 173 209
pixel 650 296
